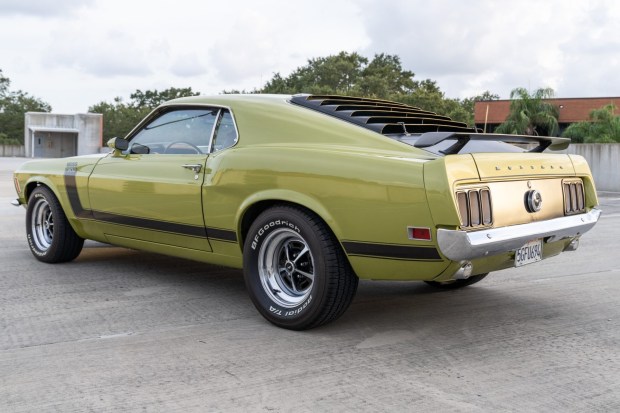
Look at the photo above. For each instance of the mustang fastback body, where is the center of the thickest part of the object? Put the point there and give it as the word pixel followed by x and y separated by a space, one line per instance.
pixel 309 193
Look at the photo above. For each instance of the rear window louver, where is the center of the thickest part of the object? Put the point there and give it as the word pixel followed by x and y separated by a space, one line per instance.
pixel 381 116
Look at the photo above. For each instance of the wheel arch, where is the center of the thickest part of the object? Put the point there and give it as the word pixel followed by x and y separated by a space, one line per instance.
pixel 42 181
pixel 35 182
pixel 258 203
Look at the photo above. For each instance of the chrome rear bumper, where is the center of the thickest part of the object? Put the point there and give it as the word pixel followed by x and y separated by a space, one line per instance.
pixel 460 245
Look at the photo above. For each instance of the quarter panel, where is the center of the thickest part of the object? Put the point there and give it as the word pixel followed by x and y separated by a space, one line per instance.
pixel 366 198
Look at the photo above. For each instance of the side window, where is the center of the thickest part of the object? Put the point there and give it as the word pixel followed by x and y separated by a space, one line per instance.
pixel 179 131
pixel 225 133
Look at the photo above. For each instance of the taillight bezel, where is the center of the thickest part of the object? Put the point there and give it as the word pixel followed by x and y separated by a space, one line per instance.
pixel 574 196
pixel 475 207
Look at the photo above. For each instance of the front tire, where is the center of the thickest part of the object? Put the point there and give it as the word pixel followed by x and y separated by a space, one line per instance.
pixel 295 271
pixel 50 236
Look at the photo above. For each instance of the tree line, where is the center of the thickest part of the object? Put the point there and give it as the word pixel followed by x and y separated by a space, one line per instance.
pixel 381 77
pixel 13 106
pixel 532 114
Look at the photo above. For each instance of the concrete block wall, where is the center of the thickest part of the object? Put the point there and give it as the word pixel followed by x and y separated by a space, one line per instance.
pixel 12 151
pixel 604 161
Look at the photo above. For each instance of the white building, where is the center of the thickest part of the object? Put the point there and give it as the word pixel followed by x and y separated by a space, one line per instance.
pixel 49 135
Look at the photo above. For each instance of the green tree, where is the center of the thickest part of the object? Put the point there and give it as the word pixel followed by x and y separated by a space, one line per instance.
pixel 5 140
pixel 384 77
pixel 346 74
pixel 427 95
pixel 120 117
pixel 530 114
pixel 324 75
pixel 4 84
pixel 381 77
pixel 154 98
pixel 603 127
pixel 13 107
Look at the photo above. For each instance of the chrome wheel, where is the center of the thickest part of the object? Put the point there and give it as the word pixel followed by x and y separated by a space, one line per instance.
pixel 286 267
pixel 42 224
pixel 295 270
pixel 50 236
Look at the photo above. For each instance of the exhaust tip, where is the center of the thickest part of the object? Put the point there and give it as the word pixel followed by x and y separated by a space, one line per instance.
pixel 573 245
pixel 464 272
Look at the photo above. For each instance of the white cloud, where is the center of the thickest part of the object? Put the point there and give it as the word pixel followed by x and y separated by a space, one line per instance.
pixel 469 47
pixel 188 65
pixel 42 8
pixel 74 53
pixel 102 54
pixel 249 47
pixel 260 39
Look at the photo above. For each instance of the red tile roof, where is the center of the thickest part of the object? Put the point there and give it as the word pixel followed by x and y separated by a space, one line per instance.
pixel 571 109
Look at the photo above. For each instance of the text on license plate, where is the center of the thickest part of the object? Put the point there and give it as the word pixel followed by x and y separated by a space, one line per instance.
pixel 529 253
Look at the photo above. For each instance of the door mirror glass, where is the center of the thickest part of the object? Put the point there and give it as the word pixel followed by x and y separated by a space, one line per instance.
pixel 119 144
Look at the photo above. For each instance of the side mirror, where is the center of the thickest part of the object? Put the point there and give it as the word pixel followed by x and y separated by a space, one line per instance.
pixel 118 145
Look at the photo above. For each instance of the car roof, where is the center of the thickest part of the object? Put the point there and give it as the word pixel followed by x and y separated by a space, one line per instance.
pixel 230 99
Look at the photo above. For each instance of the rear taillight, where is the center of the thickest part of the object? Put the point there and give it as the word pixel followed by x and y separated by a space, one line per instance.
pixel 475 207
pixel 574 197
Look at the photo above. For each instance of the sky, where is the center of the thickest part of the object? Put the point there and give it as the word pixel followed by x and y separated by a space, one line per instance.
pixel 76 53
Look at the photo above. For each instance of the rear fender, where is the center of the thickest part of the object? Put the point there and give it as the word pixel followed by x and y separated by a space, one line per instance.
pixel 290 197
pixel 440 177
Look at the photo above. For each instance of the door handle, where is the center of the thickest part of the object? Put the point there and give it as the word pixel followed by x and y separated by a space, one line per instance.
pixel 196 167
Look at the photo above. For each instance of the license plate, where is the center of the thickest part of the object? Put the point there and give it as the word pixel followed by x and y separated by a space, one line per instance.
pixel 529 253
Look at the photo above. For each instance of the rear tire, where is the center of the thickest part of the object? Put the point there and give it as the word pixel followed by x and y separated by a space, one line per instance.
pixel 50 236
pixel 295 270
pixel 454 284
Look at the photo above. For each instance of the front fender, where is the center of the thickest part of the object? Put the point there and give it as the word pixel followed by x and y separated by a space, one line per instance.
pixel 34 181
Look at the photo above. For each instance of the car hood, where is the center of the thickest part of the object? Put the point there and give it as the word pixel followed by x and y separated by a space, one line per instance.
pixel 47 165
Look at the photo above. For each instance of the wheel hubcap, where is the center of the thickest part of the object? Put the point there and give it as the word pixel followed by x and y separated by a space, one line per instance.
pixel 42 224
pixel 286 267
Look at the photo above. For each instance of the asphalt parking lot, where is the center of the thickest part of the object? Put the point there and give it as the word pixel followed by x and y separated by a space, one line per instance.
pixel 121 330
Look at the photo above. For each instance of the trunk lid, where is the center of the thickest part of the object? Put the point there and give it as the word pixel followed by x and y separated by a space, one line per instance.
pixel 492 166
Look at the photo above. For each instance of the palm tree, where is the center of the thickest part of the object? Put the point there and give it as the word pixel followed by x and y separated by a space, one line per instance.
pixel 603 127
pixel 530 114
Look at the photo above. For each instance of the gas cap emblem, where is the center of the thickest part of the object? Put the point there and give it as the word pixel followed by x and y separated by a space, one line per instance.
pixel 533 201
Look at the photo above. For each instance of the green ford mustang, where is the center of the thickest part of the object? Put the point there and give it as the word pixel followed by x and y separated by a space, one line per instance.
pixel 310 193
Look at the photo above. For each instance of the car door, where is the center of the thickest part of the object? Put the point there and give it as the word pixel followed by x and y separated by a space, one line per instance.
pixel 152 191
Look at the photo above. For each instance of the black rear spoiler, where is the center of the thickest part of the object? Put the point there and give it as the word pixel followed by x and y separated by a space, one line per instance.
pixel 433 138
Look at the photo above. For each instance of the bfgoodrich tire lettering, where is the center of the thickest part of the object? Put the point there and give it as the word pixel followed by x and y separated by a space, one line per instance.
pixel 295 271
pixel 50 236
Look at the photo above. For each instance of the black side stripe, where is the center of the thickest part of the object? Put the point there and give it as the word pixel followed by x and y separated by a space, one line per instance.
pixel 74 198
pixel 221 234
pixel 144 223
pixel 399 252
pixel 191 230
